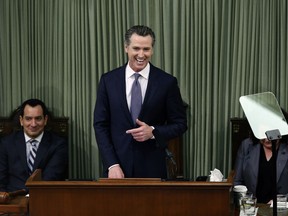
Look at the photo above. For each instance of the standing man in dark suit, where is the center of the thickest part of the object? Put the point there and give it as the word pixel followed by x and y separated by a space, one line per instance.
pixel 50 153
pixel 135 147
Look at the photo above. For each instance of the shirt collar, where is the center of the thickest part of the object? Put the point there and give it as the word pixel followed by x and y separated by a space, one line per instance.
pixel 144 73
pixel 38 138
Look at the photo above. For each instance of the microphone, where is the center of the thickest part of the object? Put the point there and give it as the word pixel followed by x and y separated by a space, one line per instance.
pixel 162 143
pixel 170 156
pixel 5 197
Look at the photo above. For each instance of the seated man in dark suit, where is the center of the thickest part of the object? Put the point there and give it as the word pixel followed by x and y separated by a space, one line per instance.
pixel 32 148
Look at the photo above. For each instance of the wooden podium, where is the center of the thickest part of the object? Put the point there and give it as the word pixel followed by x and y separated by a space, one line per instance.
pixel 128 197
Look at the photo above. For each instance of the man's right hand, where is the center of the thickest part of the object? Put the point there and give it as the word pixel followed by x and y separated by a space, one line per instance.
pixel 115 172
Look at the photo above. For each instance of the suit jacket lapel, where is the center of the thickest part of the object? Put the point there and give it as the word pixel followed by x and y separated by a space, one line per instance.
pixel 120 86
pixel 42 150
pixel 152 85
pixel 281 159
pixel 151 91
pixel 254 159
pixel 20 145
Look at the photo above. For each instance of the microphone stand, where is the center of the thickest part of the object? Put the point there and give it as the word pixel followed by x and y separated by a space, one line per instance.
pixel 273 136
pixel 161 143
pixel 170 157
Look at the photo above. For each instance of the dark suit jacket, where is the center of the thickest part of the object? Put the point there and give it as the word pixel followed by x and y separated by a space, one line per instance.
pixel 162 108
pixel 52 158
pixel 247 166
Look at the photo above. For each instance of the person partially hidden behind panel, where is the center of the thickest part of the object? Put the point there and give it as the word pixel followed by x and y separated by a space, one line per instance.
pixel 254 168
pixel 32 148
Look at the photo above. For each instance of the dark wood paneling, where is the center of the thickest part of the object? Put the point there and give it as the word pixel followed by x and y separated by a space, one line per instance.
pixel 59 125
pixel 240 131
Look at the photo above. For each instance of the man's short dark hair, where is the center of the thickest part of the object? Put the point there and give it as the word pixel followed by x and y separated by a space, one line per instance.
pixel 33 102
pixel 139 30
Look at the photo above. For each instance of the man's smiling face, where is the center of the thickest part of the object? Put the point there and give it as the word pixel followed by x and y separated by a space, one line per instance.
pixel 139 51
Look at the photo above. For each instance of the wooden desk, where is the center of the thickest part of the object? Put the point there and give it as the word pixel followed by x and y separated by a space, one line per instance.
pixel 17 206
pixel 128 197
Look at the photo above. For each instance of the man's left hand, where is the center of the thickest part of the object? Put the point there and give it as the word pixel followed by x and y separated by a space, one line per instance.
pixel 142 133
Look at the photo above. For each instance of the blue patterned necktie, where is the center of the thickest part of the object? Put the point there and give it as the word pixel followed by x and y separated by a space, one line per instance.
pixel 32 155
pixel 136 98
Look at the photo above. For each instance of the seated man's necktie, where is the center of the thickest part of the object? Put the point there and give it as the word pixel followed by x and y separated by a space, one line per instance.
pixel 32 155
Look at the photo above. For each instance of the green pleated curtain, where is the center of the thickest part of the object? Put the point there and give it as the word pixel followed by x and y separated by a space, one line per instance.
pixel 56 50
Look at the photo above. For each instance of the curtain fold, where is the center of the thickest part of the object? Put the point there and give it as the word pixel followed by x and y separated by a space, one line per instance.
pixel 56 50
